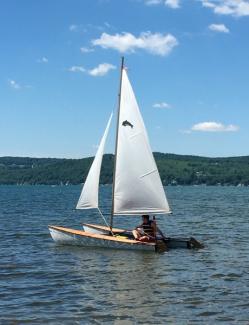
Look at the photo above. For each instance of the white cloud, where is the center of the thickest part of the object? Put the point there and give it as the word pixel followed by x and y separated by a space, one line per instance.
pixel 153 2
pixel 73 28
pixel 221 28
pixel 77 68
pixel 43 60
pixel 107 24
pixel 77 28
pixel 13 84
pixel 160 44
pixel 237 8
pixel 101 70
pixel 207 4
pixel 80 28
pixel 86 50
pixel 174 4
pixel 214 127
pixel 161 105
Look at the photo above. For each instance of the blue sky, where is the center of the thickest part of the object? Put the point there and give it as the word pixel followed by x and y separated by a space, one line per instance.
pixel 188 62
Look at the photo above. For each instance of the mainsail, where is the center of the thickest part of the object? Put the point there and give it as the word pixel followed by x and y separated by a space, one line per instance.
pixel 89 198
pixel 138 188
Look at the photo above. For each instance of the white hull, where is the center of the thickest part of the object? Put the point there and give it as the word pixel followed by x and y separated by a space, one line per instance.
pixel 65 236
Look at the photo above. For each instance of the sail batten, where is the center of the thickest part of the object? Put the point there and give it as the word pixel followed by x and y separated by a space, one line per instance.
pixel 89 198
pixel 138 187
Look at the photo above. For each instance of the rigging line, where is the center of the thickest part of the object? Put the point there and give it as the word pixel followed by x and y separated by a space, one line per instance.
pixel 105 221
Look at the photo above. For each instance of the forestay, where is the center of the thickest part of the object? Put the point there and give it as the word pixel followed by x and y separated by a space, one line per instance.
pixel 138 187
pixel 89 198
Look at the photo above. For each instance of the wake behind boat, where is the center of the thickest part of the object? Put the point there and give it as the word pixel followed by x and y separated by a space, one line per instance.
pixel 137 186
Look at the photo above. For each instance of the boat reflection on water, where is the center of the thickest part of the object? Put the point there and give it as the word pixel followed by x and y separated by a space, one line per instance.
pixel 105 279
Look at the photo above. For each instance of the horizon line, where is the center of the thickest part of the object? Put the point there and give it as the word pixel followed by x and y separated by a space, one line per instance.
pixel 154 152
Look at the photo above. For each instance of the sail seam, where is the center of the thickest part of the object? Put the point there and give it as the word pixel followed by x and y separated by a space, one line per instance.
pixel 151 172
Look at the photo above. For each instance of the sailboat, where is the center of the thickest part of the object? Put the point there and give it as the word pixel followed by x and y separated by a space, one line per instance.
pixel 137 186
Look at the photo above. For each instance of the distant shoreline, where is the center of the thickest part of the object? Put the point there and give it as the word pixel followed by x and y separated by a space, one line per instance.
pixel 174 170
pixel 169 185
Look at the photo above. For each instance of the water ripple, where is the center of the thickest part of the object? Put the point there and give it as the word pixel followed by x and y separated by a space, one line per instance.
pixel 44 283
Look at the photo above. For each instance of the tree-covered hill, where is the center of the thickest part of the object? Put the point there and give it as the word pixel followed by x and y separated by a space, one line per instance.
pixel 174 169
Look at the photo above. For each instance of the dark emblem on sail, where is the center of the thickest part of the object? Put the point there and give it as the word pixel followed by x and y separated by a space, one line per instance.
pixel 127 123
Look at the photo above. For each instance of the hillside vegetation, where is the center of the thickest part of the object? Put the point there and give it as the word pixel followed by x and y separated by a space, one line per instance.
pixel 174 169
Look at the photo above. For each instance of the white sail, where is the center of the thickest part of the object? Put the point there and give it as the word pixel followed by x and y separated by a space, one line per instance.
pixel 89 198
pixel 138 187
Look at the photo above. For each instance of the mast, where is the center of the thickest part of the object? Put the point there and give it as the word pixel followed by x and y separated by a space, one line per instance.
pixel 116 144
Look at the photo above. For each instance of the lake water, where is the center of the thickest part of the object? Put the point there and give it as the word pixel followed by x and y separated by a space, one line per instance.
pixel 43 283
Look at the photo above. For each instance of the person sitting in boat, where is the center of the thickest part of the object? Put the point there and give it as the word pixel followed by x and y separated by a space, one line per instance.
pixel 146 231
